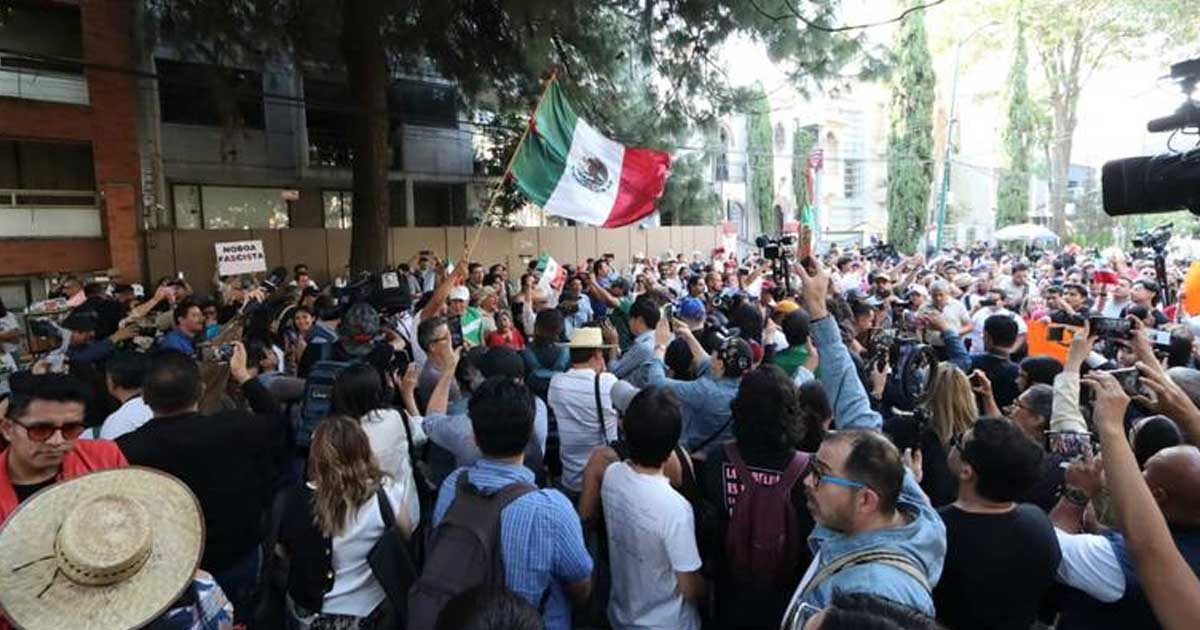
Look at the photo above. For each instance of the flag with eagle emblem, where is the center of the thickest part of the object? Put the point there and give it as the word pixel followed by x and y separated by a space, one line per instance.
pixel 572 170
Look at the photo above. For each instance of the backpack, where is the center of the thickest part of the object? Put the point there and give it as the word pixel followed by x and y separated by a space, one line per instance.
pixel 318 394
pixel 763 541
pixel 464 551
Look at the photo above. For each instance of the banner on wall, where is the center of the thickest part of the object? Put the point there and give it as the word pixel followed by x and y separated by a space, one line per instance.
pixel 238 257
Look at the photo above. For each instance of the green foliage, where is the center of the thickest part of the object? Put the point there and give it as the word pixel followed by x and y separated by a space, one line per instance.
pixel 689 198
pixel 1073 39
pixel 1012 195
pixel 803 141
pixel 910 143
pixel 760 146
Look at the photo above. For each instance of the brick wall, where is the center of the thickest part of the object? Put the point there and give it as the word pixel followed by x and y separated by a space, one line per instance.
pixel 108 122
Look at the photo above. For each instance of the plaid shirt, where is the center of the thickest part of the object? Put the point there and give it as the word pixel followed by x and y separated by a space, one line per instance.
pixel 540 538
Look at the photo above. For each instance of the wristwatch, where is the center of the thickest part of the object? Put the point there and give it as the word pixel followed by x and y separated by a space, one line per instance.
pixel 1075 496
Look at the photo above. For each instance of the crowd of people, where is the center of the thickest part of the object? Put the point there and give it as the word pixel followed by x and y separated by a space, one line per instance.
pixel 853 440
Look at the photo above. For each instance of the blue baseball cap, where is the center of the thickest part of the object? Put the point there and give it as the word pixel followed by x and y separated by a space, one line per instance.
pixel 691 308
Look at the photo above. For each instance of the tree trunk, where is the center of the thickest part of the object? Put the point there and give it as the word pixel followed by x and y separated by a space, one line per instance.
pixel 367 71
pixel 1061 145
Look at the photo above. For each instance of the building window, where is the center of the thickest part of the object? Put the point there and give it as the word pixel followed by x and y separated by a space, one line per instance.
pixel 852 179
pixel 721 168
pixel 203 94
pixel 47 189
pixel 436 205
pixel 327 113
pixel 424 103
pixel 339 205
pixel 229 208
pixel 780 138
pixel 38 44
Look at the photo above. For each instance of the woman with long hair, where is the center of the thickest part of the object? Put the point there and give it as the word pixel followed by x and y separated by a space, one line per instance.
pixel 950 411
pixel 359 392
pixel 329 526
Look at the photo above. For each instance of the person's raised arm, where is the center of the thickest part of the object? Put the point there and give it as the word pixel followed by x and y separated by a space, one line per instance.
pixel 851 405
pixel 439 399
pixel 441 291
pixel 143 309
pixel 699 355
pixel 1066 415
pixel 1169 583
pixel 956 352
pixel 1169 400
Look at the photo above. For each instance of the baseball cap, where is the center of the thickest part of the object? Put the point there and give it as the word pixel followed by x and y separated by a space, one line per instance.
pixel 691 308
pixel 360 324
pixel 460 293
pixel 786 307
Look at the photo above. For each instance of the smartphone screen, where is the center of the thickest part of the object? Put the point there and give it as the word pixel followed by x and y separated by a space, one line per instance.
pixel 1071 445
pixel 456 331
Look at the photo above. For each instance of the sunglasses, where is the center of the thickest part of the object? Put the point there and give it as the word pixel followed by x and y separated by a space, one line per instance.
pixel 43 432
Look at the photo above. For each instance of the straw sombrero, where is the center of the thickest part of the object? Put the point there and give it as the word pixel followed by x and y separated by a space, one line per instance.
pixel 587 337
pixel 110 550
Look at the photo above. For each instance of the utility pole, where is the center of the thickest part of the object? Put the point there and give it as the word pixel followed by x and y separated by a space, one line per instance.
pixel 950 122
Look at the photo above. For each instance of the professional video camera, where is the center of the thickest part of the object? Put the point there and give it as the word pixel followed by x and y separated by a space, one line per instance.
pixel 384 291
pixel 880 252
pixel 775 248
pixel 1155 239
pixel 1160 183
pixel 1152 244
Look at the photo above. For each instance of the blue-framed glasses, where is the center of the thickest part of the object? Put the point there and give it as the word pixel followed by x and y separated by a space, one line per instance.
pixel 820 477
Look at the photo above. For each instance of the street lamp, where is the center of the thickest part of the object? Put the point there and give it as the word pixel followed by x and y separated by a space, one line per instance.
pixel 941 216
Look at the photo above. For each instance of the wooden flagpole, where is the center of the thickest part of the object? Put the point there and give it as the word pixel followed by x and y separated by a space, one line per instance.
pixel 508 167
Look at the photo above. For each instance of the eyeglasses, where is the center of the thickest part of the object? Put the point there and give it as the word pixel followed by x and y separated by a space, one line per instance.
pixel 820 477
pixel 43 432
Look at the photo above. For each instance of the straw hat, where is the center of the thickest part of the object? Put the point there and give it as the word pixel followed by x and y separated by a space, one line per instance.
pixel 110 550
pixel 587 337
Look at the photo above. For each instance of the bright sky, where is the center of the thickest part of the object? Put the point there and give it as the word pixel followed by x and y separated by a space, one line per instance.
pixel 1113 110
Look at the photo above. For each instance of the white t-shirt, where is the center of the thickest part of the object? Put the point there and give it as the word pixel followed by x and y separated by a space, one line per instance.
pixel 389 442
pixel 129 417
pixel 980 319
pixel 355 590
pixel 956 317
pixel 651 537
pixel 1090 565
pixel 572 398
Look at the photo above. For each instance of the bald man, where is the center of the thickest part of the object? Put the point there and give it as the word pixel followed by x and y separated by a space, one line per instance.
pixel 1104 590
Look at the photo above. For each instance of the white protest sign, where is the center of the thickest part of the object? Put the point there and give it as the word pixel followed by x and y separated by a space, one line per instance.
pixel 240 257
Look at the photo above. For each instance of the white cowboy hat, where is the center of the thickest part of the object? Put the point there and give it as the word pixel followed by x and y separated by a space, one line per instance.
pixel 587 337
pixel 111 550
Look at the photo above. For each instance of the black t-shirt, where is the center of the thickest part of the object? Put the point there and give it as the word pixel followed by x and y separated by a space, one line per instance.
pixel 24 491
pixel 998 567
pixel 739 606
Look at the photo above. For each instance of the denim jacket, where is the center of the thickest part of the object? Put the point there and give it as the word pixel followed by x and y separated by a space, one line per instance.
pixel 704 402
pixel 923 539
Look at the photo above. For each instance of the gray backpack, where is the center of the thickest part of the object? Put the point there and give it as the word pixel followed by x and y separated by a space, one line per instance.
pixel 464 551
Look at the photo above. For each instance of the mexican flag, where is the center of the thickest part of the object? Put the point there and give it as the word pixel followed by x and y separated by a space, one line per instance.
pixel 553 274
pixel 571 170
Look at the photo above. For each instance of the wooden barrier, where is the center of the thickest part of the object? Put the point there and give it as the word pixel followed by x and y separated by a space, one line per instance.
pixel 327 251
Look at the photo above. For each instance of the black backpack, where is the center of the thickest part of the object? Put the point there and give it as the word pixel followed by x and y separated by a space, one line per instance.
pixel 464 551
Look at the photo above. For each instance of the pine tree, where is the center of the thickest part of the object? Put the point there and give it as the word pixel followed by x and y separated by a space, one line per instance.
pixel 761 159
pixel 1012 194
pixel 910 144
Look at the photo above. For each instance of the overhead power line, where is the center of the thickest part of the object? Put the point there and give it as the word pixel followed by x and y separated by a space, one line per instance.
pixel 795 13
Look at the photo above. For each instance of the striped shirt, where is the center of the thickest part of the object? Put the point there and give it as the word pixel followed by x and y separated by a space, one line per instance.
pixel 541 540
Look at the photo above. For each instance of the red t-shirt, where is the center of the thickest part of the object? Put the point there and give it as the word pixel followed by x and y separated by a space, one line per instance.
pixel 512 339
